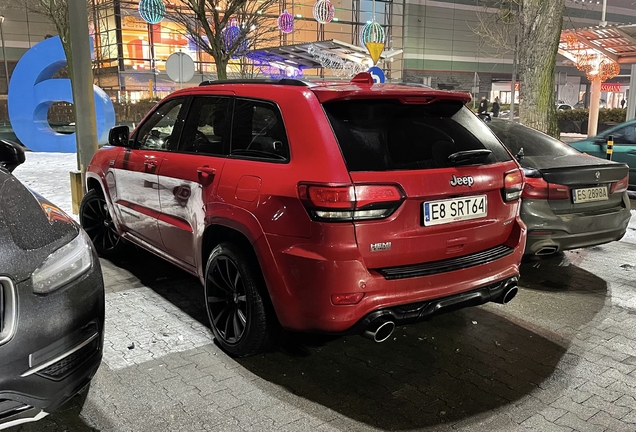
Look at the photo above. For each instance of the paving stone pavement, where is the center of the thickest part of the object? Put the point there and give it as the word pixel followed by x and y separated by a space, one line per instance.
pixel 560 357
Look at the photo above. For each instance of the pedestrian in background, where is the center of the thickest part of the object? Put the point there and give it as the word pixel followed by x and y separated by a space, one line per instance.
pixel 483 106
pixel 623 103
pixel 496 107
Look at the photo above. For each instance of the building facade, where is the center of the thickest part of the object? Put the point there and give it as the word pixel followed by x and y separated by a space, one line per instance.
pixel 439 38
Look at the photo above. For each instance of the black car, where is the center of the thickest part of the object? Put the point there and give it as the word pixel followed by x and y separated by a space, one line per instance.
pixel 570 200
pixel 51 301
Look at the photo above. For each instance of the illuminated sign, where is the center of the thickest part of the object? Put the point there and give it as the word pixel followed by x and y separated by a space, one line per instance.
pixel 609 87
pixel 33 90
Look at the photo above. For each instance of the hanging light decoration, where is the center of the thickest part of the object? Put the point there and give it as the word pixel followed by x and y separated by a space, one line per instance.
pixel 286 22
pixel 372 32
pixel 152 11
pixel 324 11
pixel 594 64
pixel 232 36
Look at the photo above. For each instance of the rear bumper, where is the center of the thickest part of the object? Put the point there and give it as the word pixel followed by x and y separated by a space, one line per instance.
pixel 42 367
pixel 549 233
pixel 414 312
pixel 311 278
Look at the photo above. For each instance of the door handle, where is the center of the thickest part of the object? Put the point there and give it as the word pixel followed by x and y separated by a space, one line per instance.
pixel 150 165
pixel 206 175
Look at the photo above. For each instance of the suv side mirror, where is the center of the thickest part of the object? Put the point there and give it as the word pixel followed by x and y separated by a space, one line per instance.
pixel 11 155
pixel 600 140
pixel 119 136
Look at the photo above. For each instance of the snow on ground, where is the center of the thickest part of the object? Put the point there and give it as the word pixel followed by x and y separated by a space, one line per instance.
pixel 48 174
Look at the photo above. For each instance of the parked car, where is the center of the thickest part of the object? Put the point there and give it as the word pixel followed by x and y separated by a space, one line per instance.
pixel 340 208
pixel 570 200
pixel 624 149
pixel 51 301
pixel 563 107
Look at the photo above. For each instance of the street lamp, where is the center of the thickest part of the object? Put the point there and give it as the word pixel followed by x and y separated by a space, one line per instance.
pixel 4 53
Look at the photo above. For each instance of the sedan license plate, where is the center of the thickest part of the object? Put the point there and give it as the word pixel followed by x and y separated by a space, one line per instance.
pixel 590 194
pixel 455 209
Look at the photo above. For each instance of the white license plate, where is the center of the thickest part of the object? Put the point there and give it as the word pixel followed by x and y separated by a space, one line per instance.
pixel 455 209
pixel 590 194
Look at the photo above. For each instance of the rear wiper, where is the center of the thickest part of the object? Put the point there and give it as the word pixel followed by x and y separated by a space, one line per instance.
pixel 467 156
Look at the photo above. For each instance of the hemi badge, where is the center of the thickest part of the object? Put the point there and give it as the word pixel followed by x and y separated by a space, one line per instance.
pixel 377 247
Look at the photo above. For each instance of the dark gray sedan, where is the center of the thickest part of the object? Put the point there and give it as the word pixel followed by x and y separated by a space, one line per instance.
pixel 51 301
pixel 570 200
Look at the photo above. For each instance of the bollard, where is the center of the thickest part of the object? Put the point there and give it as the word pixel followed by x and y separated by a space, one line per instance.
pixel 77 191
pixel 610 147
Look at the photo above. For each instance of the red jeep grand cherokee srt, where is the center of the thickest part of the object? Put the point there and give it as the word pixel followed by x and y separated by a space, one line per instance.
pixel 340 208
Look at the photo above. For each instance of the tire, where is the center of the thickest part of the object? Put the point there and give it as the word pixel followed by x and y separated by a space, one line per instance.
pixel 98 224
pixel 241 319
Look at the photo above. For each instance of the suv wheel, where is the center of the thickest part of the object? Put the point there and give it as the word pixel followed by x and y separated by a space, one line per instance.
pixel 98 224
pixel 239 316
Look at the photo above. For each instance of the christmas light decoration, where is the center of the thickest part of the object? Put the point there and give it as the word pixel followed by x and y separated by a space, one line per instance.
pixel 152 11
pixel 594 64
pixel 286 22
pixel 372 32
pixel 324 11
pixel 233 39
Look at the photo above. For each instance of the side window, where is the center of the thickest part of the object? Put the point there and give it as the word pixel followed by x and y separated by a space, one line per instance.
pixel 258 131
pixel 206 129
pixel 160 131
pixel 626 135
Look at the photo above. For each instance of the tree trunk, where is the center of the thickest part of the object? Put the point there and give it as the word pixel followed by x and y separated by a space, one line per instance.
pixel 541 22
pixel 221 67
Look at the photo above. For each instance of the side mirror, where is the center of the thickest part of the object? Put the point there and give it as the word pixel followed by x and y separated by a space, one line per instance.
pixel 600 141
pixel 11 155
pixel 119 136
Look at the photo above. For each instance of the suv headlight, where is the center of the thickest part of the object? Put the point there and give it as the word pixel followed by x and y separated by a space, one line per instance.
pixel 64 265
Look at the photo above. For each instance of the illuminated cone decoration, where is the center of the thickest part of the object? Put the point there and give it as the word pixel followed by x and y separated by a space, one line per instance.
pixel 286 22
pixel 152 11
pixel 324 11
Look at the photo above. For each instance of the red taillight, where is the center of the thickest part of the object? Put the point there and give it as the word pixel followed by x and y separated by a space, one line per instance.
pixel 350 202
pixel 538 188
pixel 329 197
pixel 620 186
pixel 346 299
pixel 513 185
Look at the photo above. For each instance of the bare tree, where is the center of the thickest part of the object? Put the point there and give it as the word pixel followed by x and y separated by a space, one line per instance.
pixel 227 29
pixel 537 25
pixel 56 12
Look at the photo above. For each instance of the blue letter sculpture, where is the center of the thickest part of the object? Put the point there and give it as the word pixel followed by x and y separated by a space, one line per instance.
pixel 33 90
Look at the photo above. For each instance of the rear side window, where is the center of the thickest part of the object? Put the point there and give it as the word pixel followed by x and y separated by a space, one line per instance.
pixel 534 143
pixel 383 135
pixel 258 131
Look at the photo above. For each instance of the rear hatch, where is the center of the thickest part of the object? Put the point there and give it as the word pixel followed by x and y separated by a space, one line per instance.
pixel 437 169
pixel 571 182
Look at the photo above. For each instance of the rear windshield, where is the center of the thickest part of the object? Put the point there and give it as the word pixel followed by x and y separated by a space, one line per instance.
pixel 534 143
pixel 383 135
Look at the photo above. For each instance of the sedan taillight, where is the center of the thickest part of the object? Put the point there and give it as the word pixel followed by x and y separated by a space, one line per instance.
pixel 337 203
pixel 620 186
pixel 538 188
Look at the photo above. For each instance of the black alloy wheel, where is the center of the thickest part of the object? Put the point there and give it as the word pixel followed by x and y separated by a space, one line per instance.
pixel 240 319
pixel 98 224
